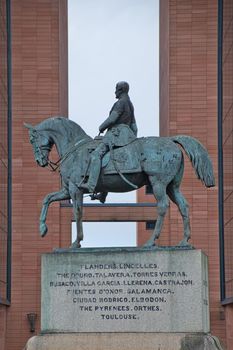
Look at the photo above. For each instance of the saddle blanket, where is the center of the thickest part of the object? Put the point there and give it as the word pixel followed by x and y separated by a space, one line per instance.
pixel 126 160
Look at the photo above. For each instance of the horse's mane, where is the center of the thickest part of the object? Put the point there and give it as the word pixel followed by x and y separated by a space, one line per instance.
pixel 65 125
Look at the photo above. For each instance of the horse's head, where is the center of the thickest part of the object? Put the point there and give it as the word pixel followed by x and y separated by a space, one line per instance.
pixel 41 144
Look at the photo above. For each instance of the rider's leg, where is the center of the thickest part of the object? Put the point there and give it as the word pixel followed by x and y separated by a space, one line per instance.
pixel 95 167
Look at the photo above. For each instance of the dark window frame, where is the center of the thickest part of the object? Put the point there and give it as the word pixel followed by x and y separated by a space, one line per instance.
pixel 5 300
pixel 224 298
pixel 150 225
pixel 148 189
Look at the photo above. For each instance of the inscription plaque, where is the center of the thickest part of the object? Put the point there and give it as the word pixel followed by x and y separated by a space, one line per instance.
pixel 125 290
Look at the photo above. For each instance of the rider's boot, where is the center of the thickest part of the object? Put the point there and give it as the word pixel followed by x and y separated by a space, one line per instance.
pixel 95 168
pixel 99 196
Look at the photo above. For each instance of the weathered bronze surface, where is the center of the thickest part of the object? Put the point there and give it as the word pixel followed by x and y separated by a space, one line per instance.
pixel 121 130
pixel 157 161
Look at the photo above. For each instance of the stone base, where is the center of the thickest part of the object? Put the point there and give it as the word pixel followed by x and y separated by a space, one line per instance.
pixel 124 341
pixel 125 290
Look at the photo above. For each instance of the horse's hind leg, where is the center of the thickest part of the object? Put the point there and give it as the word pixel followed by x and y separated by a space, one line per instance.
pixel 177 197
pixel 159 190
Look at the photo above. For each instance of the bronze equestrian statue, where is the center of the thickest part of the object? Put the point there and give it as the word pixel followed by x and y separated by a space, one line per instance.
pixel 157 161
pixel 121 130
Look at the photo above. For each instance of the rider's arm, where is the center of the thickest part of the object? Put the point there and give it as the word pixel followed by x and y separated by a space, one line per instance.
pixel 109 121
pixel 134 127
pixel 133 124
pixel 116 111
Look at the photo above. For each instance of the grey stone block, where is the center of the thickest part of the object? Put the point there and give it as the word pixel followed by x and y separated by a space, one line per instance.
pixel 124 341
pixel 125 290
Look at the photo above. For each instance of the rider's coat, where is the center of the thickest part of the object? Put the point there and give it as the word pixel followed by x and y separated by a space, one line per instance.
pixel 121 129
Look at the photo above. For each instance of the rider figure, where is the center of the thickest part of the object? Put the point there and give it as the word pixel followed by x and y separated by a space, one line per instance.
pixel 121 129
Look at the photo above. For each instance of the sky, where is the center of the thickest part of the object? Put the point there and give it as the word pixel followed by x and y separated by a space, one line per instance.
pixel 111 41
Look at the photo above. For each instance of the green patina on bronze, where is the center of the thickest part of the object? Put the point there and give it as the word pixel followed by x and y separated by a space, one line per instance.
pixel 118 162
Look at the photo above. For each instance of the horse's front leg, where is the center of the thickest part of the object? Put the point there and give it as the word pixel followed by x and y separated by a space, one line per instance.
pixel 78 212
pixel 51 197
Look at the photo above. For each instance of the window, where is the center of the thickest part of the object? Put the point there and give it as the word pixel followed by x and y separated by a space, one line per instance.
pixel 148 189
pixel 150 225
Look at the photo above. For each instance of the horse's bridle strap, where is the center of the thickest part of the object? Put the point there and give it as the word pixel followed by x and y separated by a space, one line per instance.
pixel 56 165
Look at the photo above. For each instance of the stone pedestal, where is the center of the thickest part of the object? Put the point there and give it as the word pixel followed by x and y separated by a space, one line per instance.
pixel 125 290
pixel 124 298
pixel 124 341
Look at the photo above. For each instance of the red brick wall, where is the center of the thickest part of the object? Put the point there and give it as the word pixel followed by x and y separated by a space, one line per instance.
pixel 3 313
pixel 188 105
pixel 39 91
pixel 229 326
pixel 227 116
pixel 3 171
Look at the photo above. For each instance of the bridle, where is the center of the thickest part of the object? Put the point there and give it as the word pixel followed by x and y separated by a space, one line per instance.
pixel 54 166
pixel 38 149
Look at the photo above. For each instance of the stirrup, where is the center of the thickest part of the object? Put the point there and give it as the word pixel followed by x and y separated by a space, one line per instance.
pixel 98 196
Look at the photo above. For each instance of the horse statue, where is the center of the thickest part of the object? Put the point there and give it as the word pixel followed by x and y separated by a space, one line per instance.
pixel 155 161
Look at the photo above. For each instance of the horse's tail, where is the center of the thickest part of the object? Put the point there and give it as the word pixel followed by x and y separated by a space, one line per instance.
pixel 199 157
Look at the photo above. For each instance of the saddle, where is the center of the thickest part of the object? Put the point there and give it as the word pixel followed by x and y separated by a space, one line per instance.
pixel 125 159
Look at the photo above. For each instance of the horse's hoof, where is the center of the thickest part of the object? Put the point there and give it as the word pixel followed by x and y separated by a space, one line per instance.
pixel 43 229
pixel 184 243
pixel 149 244
pixel 75 245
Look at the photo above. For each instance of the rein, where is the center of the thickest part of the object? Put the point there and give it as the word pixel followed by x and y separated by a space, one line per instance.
pixel 56 165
